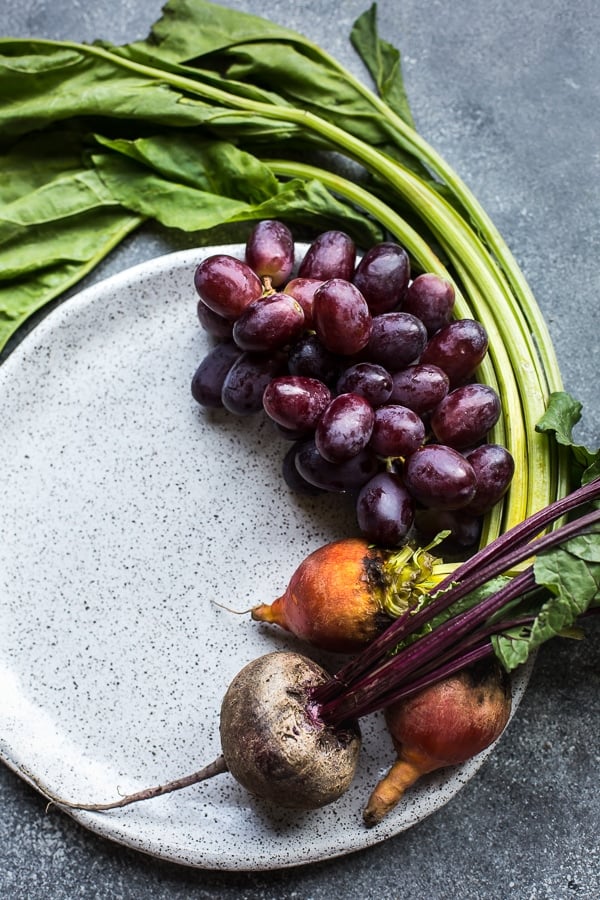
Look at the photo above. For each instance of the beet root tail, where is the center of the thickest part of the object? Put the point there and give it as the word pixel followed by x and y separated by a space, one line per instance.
pixel 271 613
pixel 390 790
pixel 217 767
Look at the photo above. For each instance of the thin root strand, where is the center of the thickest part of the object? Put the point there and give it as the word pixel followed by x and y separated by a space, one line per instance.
pixel 236 612
pixel 217 767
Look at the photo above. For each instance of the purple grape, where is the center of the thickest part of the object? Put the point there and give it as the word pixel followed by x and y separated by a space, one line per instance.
pixel 420 387
pixel 341 317
pixel 331 255
pixel 397 431
pixel 431 299
pixel 292 476
pixel 397 340
pixel 269 323
pixel 270 251
pixel 464 528
pixel 247 379
pixel 309 357
pixel 292 434
pixel 382 276
pixel 440 477
pixel 457 348
pixel 494 469
pixel 371 381
pixel 214 324
pixel 338 478
pixel 296 402
pixel 209 377
pixel 465 415
pixel 227 285
pixel 303 290
pixel 385 510
pixel 344 428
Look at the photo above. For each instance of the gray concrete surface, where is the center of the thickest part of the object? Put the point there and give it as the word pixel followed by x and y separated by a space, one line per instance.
pixel 509 93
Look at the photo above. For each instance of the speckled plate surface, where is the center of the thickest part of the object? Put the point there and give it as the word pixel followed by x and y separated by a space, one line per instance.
pixel 126 512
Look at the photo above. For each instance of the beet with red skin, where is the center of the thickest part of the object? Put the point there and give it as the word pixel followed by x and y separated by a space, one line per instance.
pixel 443 725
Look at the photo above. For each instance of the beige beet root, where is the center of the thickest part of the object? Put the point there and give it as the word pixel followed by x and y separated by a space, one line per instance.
pixel 272 740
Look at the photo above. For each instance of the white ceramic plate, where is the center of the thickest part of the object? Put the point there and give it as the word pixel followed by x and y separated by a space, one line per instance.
pixel 126 512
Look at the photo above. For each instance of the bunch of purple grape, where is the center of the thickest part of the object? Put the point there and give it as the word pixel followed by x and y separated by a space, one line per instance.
pixel 365 371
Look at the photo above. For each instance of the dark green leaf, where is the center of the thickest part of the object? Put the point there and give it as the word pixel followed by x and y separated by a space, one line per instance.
pixel 36 160
pixel 561 416
pixel 571 577
pixel 191 28
pixel 212 166
pixel 92 82
pixel 253 57
pixel 219 185
pixel 65 196
pixel 54 259
pixel 383 62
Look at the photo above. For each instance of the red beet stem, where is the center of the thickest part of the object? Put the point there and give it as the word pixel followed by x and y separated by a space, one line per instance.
pixel 368 677
pixel 371 692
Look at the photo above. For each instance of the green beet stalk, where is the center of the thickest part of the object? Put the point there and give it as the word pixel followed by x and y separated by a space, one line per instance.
pixel 499 371
pixel 409 140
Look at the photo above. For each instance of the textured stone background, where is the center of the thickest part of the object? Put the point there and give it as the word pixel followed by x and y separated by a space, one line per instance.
pixel 509 93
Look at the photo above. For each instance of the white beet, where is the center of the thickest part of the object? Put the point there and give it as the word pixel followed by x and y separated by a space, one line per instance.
pixel 273 742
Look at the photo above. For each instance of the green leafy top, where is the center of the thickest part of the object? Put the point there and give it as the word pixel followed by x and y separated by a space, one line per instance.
pixel 561 417
pixel 569 575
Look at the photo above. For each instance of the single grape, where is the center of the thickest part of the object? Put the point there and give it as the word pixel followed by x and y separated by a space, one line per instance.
pixel 269 323
pixel 464 528
pixel 341 317
pixel 382 276
pixel 247 379
pixel 440 477
pixel 309 357
pixel 338 478
pixel 397 431
pixel 209 377
pixel 227 285
pixel 270 251
pixel 292 476
pixel 457 348
pixel 431 298
pixel 303 290
pixel 420 387
pixel 371 381
pixel 214 324
pixel 465 415
pixel 331 255
pixel 344 428
pixel 296 402
pixel 385 510
pixel 292 434
pixel 397 340
pixel 494 469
